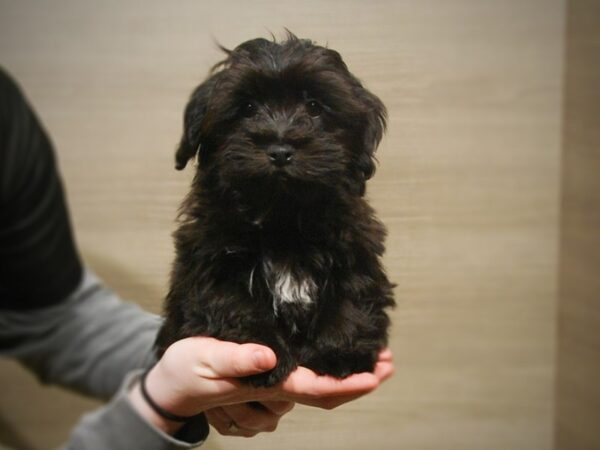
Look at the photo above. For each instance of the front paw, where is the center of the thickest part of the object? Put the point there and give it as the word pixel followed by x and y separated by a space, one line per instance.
pixel 285 365
pixel 341 363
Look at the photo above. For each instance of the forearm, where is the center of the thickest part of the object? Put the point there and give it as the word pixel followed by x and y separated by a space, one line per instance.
pixel 87 343
pixel 125 425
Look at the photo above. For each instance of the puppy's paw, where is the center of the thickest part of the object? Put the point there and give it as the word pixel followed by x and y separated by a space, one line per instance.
pixel 341 363
pixel 285 365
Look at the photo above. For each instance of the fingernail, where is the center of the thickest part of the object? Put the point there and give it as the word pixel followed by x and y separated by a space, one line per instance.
pixel 259 358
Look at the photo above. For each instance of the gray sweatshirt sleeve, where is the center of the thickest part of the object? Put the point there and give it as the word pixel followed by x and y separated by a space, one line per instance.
pixel 118 427
pixel 91 343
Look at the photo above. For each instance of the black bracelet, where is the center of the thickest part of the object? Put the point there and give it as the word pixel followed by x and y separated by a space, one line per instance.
pixel 158 409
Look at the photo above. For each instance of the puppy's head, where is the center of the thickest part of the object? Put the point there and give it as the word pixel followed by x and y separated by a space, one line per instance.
pixel 282 116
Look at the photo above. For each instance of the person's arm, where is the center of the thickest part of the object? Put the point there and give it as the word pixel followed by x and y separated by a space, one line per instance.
pixel 90 343
pixel 68 329
pixel 122 425
pixel 87 343
pixel 201 375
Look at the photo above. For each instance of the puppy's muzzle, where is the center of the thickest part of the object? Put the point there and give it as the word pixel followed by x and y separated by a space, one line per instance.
pixel 280 154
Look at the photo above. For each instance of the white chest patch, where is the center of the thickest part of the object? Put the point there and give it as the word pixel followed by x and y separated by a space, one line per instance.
pixel 287 287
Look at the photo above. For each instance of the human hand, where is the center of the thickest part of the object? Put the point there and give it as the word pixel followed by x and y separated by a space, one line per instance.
pixel 197 374
pixel 324 391
pixel 302 386
pixel 248 419
pixel 200 374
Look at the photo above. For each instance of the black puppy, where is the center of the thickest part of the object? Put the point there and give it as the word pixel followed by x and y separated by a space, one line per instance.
pixel 277 244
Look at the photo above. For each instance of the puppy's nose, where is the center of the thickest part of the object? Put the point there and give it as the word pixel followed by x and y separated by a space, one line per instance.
pixel 279 154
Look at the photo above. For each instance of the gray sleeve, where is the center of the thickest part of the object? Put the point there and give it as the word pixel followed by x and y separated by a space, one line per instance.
pixel 91 343
pixel 87 343
pixel 118 427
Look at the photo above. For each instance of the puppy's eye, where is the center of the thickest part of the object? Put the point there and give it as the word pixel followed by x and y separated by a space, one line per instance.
pixel 314 108
pixel 248 109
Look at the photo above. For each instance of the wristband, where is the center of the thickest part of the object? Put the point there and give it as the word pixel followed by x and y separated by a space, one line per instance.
pixel 157 408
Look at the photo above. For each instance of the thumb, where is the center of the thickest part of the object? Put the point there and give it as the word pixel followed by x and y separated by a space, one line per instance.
pixel 231 360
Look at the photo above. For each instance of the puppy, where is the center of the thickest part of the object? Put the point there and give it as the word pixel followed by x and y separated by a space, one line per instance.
pixel 277 244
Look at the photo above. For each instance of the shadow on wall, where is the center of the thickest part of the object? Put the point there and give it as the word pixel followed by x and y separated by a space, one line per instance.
pixel 10 438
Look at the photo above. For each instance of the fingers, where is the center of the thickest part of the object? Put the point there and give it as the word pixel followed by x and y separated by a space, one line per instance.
pixel 221 422
pixel 385 355
pixel 306 387
pixel 278 407
pixel 303 383
pixel 223 359
pixel 252 419
pixel 246 420
pixel 384 370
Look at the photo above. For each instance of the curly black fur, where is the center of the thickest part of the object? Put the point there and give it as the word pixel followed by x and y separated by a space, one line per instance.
pixel 277 244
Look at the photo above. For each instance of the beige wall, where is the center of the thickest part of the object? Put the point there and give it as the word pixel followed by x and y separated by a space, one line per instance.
pixel 468 186
pixel 578 387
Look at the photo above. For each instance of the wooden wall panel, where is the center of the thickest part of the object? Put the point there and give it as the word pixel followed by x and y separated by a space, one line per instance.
pixel 578 389
pixel 468 186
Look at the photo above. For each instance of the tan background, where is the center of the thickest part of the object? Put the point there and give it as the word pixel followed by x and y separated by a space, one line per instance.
pixel 468 186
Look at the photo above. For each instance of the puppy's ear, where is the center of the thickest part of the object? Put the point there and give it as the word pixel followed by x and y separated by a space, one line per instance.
pixel 373 127
pixel 194 115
